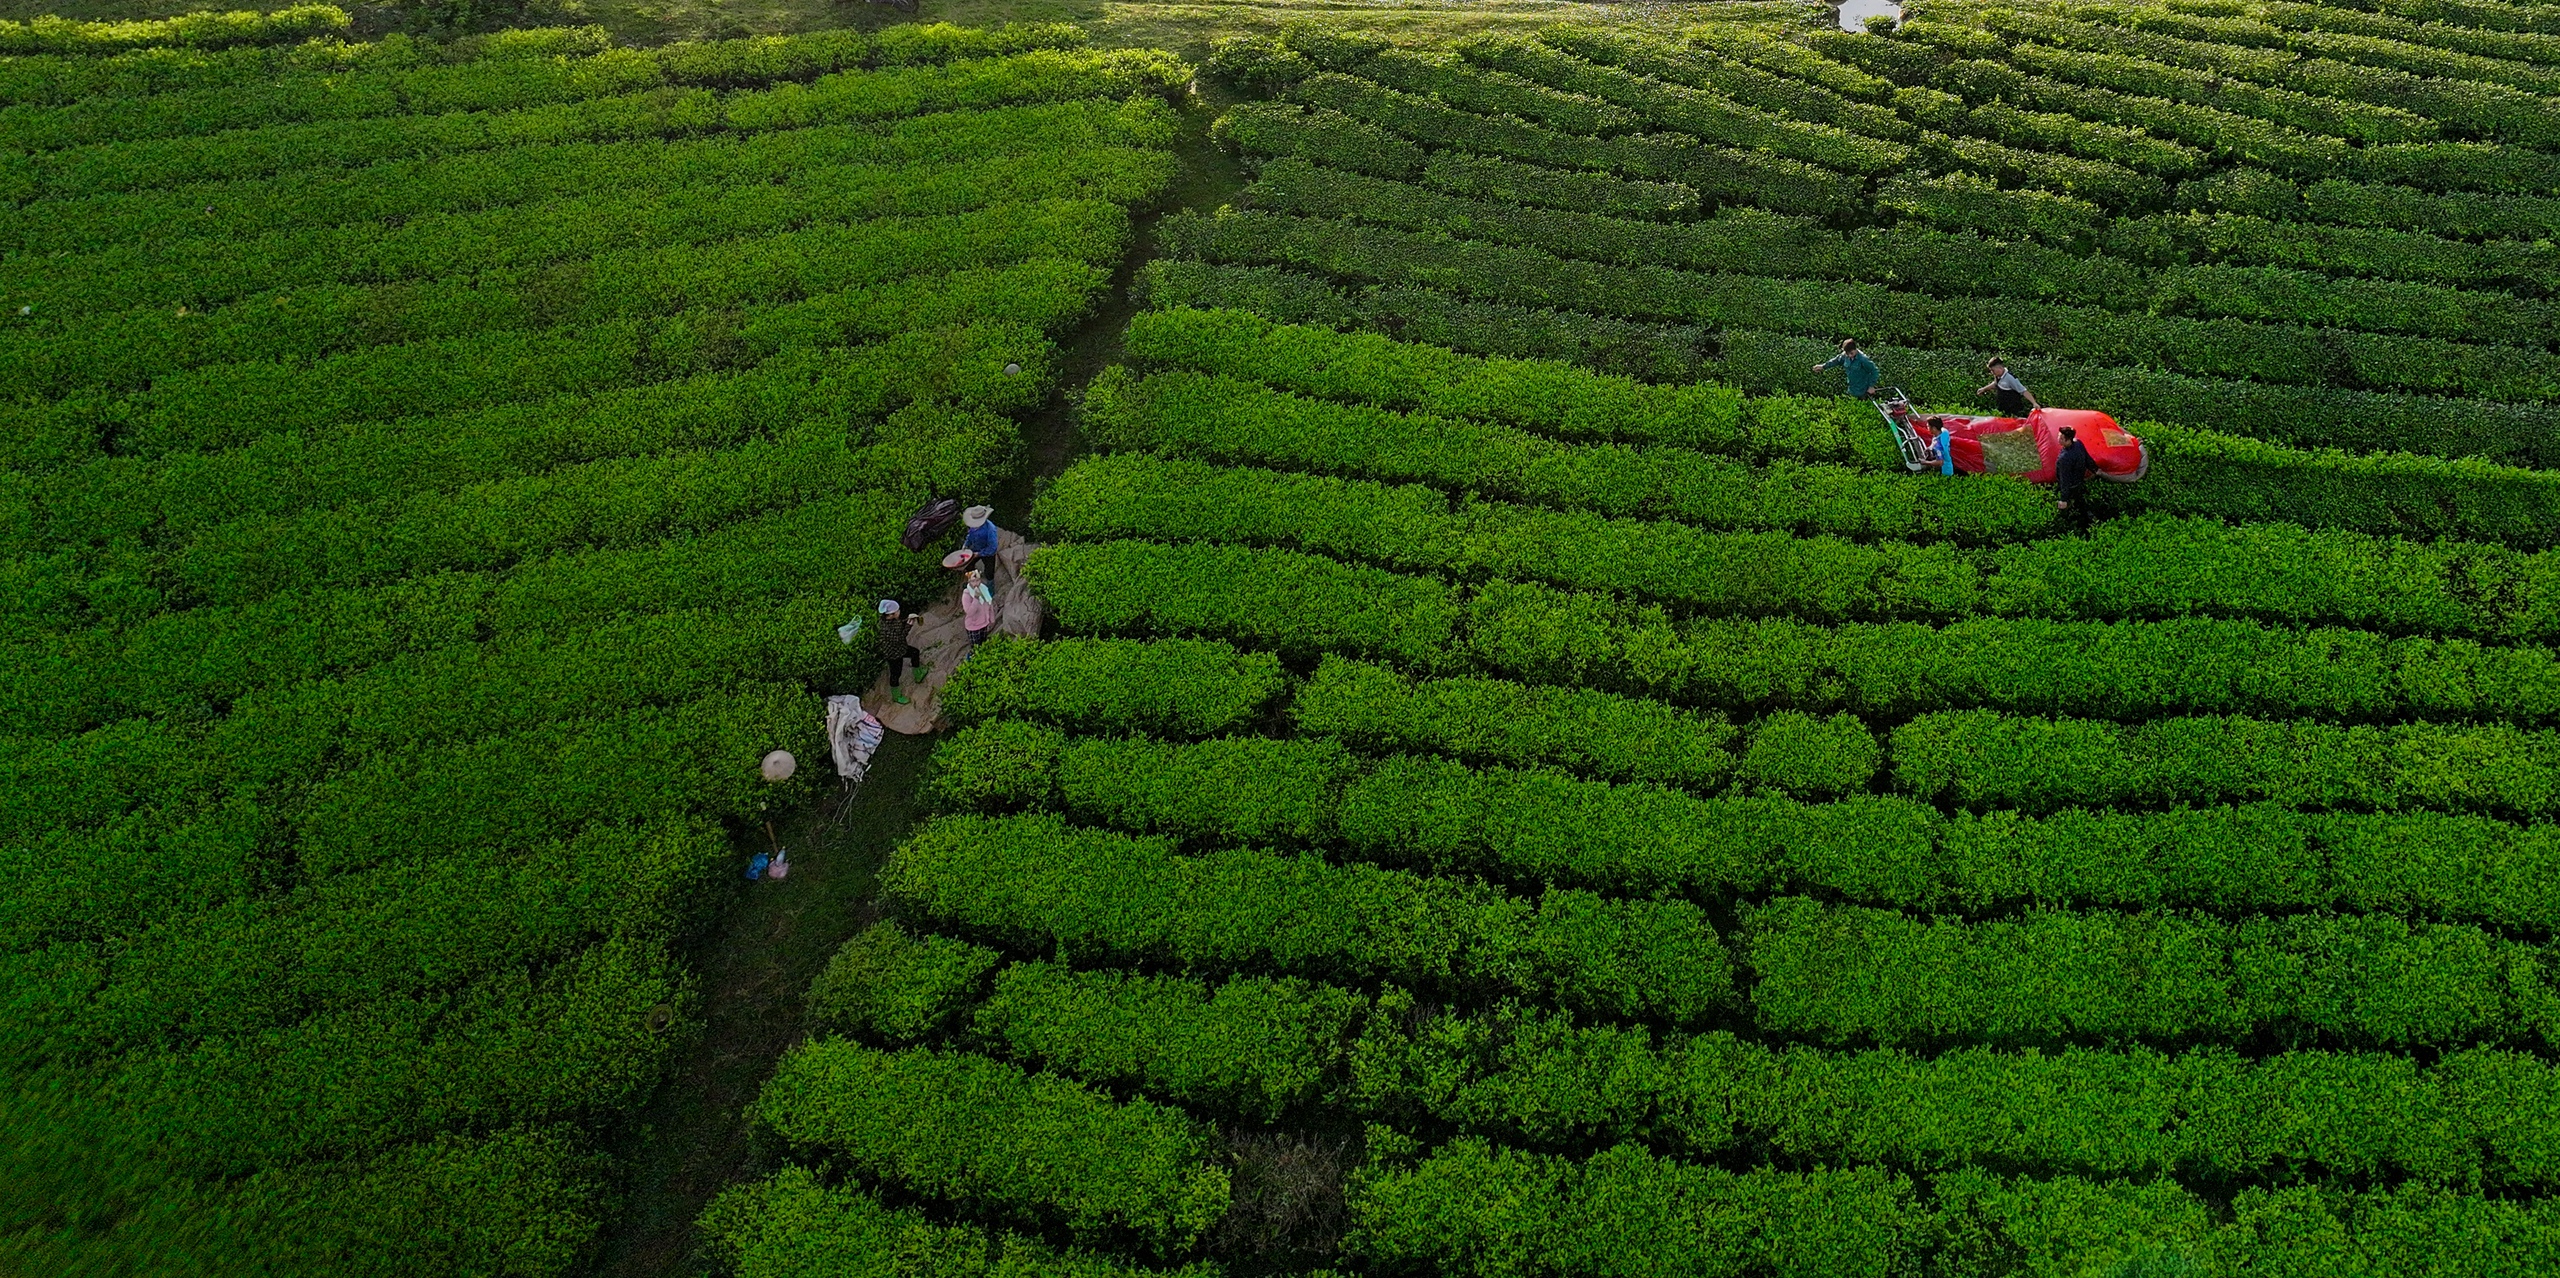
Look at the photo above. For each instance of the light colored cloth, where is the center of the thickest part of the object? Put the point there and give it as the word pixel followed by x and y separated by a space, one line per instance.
pixel 977 606
pixel 852 734
pixel 936 629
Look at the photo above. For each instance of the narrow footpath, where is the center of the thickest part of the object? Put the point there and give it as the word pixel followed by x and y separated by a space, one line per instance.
pixel 756 960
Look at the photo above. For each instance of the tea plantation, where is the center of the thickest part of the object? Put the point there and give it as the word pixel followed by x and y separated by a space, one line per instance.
pixel 1519 781
pixel 1524 784
pixel 435 474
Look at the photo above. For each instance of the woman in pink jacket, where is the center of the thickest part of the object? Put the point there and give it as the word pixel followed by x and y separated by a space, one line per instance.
pixel 977 610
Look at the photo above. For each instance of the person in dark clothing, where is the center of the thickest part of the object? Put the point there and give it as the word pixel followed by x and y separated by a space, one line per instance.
pixel 2014 397
pixel 894 648
pixel 2071 480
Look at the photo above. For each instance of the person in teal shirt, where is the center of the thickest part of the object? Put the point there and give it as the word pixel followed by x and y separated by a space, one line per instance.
pixel 1862 372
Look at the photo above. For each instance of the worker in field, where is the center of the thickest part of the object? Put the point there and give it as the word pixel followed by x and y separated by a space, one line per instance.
pixel 2015 399
pixel 977 612
pixel 1861 371
pixel 982 539
pixel 895 650
pixel 2071 480
pixel 1933 445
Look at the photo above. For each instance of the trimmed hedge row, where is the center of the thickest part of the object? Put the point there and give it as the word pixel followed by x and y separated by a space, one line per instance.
pixel 400 189
pixel 790 289
pixel 2298 417
pixel 1674 62
pixel 1028 1146
pixel 295 94
pixel 382 83
pixel 1261 1047
pixel 2376 204
pixel 2235 135
pixel 1961 263
pixel 1445 76
pixel 1283 129
pixel 2348 255
pixel 203 408
pixel 181 666
pixel 2265 353
pixel 1663 353
pixel 205 30
pixel 2272 572
pixel 1111 897
pixel 952 199
pixel 1699 113
pixel 853 97
pixel 2169 566
pixel 2204 1115
pixel 790 1225
pixel 1219 417
pixel 1302 605
pixel 1550 636
pixel 612 502
pixel 211 815
pixel 395 931
pixel 198 847
pixel 1473 1208
pixel 1789 53
pixel 1186 687
pixel 2386 494
pixel 2113 144
pixel 2361 39
pixel 2448 165
pixel 1507 182
pixel 1493 720
pixel 1414 529
pixel 1253 1045
pixel 2532 43
pixel 2099 56
pixel 2097 182
pixel 173 497
pixel 1540 396
pixel 1537 826
pixel 1716 173
pixel 889 986
pixel 1850 974
pixel 519 1047
pixel 1983 758
pixel 2445 86
pixel 1969 202
pixel 2228 477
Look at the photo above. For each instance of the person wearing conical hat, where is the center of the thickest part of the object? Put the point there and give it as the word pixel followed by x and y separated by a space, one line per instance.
pixel 982 539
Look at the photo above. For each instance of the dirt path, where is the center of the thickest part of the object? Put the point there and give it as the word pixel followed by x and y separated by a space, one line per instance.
pixel 757 959
pixel 754 965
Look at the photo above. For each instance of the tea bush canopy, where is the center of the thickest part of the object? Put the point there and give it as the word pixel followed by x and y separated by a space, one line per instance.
pixel 434 474
pixel 1520 762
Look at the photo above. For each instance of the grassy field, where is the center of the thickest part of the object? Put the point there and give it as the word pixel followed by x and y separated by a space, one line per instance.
pixel 1521 782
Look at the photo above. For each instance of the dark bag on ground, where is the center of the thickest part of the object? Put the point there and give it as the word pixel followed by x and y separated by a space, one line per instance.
pixel 929 521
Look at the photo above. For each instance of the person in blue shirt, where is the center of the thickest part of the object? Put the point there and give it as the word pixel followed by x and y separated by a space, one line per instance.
pixel 1862 372
pixel 982 539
